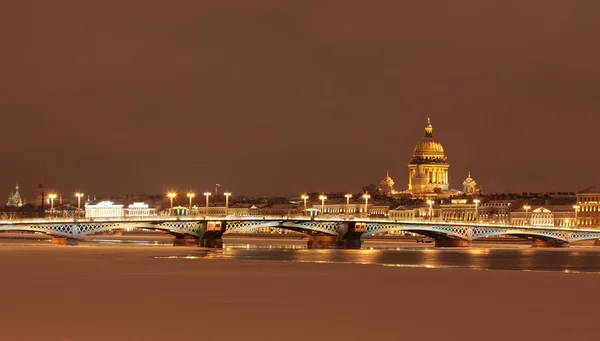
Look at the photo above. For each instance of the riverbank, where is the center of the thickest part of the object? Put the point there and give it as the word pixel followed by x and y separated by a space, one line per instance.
pixel 91 293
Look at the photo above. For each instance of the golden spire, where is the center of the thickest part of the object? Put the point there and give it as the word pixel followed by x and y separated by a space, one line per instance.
pixel 428 128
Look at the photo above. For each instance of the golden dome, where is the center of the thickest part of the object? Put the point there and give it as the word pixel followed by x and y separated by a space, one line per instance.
pixel 429 150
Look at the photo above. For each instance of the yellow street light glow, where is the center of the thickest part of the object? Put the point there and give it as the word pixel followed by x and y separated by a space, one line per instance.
pixel 171 195
pixel 79 195
pixel 227 195
pixel 322 197
pixel 304 198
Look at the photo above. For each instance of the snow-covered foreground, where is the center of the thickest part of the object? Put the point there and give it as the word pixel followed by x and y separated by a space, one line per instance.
pixel 89 293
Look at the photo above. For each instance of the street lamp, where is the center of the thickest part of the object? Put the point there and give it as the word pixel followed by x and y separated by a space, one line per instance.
pixel 477 201
pixel 567 222
pixel 430 203
pixel 527 208
pixel 348 196
pixel 171 195
pixel 52 196
pixel 322 198
pixel 366 196
pixel 207 194
pixel 227 195
pixel 576 207
pixel 304 197
pixel 78 195
pixel 191 196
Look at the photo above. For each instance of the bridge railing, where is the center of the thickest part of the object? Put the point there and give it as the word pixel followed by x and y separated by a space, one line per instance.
pixel 60 219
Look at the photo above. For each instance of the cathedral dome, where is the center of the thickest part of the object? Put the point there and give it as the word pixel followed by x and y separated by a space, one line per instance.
pixel 429 150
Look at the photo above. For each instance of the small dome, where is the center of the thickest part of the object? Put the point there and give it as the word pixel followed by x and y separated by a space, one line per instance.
pixel 429 150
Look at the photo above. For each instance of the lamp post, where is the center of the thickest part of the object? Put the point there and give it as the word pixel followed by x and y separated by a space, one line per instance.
pixel 566 222
pixel 430 203
pixel 78 195
pixel 171 195
pixel 304 197
pixel 207 194
pixel 477 201
pixel 366 196
pixel 52 196
pixel 227 194
pixel 527 208
pixel 322 197
pixel 191 196
pixel 348 196
pixel 576 207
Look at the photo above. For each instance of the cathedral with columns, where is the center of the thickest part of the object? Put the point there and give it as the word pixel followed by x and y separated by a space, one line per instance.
pixel 428 172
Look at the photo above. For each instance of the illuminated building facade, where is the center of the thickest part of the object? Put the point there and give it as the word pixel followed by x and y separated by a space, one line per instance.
pixel 104 209
pixel 588 207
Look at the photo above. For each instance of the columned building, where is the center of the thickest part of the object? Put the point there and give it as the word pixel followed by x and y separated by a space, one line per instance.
pixel 104 209
pixel 140 209
pixel 588 207
pixel 544 216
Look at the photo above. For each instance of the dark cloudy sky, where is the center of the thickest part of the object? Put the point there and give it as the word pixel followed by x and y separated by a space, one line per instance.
pixel 273 96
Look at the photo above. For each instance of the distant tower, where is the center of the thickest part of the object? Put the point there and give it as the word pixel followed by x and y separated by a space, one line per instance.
pixel 387 185
pixel 470 186
pixel 40 196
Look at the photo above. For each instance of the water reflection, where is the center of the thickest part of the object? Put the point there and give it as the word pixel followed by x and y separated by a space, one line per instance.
pixel 524 259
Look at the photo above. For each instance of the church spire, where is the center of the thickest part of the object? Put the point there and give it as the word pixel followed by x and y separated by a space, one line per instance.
pixel 428 128
pixel 41 174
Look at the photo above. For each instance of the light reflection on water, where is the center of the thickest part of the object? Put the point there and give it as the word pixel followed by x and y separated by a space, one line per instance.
pixel 523 259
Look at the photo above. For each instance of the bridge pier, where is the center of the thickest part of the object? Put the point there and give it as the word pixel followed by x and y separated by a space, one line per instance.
pixel 212 239
pixel 334 242
pixel 452 243
pixel 548 243
pixel 323 242
pixel 59 240
pixel 186 241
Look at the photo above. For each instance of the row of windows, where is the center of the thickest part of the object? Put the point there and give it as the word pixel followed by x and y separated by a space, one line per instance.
pixel 588 199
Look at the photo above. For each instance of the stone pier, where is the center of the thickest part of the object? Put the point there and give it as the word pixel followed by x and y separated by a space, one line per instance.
pixel 60 240
pixel 548 243
pixel 186 241
pixel 452 243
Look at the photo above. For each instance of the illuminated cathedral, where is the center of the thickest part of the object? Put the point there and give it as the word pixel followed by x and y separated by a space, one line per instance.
pixel 428 172
pixel 14 200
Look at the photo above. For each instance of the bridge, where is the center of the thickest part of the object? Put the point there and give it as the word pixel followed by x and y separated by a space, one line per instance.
pixel 323 231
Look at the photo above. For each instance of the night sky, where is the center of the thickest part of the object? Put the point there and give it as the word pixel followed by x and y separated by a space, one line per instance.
pixel 276 97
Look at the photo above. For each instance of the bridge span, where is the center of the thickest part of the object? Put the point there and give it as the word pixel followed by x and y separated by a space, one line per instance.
pixel 323 231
